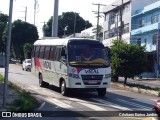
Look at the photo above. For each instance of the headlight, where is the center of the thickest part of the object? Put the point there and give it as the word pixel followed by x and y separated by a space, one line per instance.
pixel 74 75
pixel 107 75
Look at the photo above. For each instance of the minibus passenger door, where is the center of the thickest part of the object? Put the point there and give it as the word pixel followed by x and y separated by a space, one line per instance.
pixel 63 63
pixel 63 57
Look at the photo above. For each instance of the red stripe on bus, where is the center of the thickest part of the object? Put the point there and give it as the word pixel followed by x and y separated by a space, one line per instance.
pixel 38 64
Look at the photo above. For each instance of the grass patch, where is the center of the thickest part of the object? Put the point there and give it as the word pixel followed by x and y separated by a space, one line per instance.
pixel 1 78
pixel 24 103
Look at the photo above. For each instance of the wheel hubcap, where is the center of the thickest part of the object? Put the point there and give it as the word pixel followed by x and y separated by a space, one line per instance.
pixel 40 80
pixel 62 87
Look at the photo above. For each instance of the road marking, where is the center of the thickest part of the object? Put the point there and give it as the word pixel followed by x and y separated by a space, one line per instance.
pixel 109 104
pixel 41 106
pixel 150 118
pixel 58 103
pixel 55 100
pixel 134 104
pixel 117 90
pixel 88 104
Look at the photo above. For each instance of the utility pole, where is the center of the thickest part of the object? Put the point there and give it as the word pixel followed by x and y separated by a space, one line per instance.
pixel 158 53
pixel 35 10
pixel 121 20
pixel 7 54
pixel 98 16
pixel 55 19
pixel 25 17
pixel 25 14
pixel 43 28
pixel 75 20
pixel 117 25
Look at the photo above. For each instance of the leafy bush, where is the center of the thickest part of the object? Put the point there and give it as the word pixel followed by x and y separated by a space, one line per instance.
pixel 1 78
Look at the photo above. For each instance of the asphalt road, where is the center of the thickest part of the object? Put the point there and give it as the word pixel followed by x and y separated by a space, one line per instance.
pixel 90 103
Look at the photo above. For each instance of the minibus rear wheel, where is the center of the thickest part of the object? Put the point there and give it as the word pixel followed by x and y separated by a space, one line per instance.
pixel 41 82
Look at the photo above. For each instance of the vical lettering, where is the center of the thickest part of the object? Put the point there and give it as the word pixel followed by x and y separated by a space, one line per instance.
pixel 92 71
pixel 47 64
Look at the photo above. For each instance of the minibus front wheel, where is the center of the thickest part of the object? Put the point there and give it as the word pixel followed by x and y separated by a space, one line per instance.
pixel 63 88
pixel 101 92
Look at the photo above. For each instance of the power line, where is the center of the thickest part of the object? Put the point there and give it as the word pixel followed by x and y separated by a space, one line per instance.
pixel 98 16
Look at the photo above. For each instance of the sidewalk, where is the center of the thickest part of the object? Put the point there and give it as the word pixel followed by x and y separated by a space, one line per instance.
pixel 153 83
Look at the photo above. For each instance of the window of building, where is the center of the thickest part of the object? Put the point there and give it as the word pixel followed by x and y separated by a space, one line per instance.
pixel 141 22
pixel 112 19
pixel 154 19
pixel 126 28
pixel 139 41
pixel 154 39
pixel 112 33
pixel 106 34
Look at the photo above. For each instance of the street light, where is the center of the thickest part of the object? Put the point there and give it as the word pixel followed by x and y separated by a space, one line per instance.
pixel 65 28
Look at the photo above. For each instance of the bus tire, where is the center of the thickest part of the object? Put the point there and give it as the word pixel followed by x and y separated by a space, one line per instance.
pixel 101 92
pixel 63 88
pixel 41 82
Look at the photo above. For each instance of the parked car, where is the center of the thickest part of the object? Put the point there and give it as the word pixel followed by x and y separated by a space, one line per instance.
pixel 26 65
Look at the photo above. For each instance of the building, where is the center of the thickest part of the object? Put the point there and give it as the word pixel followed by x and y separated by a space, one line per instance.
pixel 112 23
pixel 145 30
pixel 87 33
pixel 140 25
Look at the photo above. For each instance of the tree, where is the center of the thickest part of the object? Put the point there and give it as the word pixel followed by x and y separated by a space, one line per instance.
pixel 3 25
pixel 127 60
pixel 67 19
pixel 22 32
pixel 100 31
pixel 27 48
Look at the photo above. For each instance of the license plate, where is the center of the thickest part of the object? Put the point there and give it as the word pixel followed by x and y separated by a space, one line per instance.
pixel 92 82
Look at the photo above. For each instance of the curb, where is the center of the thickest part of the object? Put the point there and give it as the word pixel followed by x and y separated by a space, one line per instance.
pixel 135 89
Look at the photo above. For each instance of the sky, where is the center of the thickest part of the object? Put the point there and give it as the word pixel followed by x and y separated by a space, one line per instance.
pixel 45 10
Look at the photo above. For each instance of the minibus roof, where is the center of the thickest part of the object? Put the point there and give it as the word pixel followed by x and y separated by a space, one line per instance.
pixel 59 41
